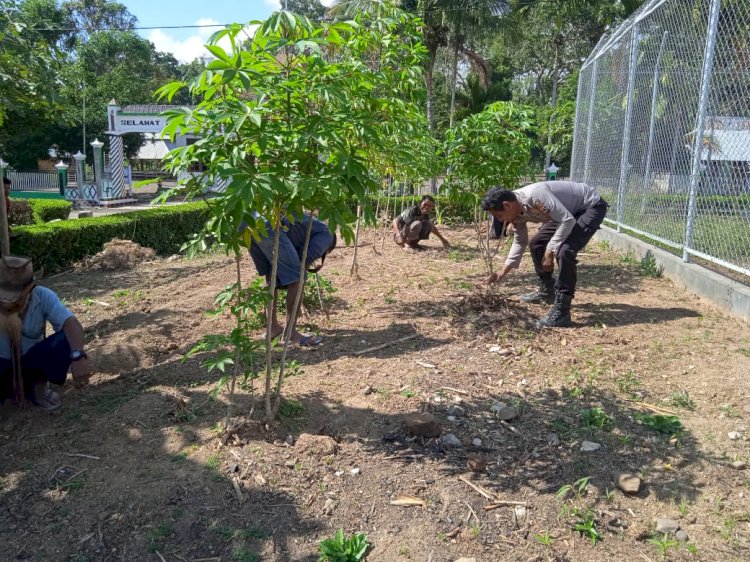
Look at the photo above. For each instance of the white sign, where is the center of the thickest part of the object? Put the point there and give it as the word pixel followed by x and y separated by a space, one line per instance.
pixel 139 123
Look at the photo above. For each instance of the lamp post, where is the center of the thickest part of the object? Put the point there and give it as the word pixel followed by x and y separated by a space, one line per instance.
pixel 97 145
pixel 552 172
pixel 80 173
pixel 4 238
pixel 62 176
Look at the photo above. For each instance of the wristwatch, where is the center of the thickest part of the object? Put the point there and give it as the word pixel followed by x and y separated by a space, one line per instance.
pixel 77 354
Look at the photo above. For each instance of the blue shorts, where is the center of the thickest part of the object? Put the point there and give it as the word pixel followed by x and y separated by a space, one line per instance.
pixel 289 260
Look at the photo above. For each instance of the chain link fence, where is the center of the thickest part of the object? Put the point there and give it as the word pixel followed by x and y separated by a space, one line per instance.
pixel 662 128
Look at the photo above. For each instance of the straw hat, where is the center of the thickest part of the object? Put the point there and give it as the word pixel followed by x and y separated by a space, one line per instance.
pixel 17 276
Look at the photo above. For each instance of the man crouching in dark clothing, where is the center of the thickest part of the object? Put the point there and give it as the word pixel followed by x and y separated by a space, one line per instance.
pixel 414 224
pixel 570 214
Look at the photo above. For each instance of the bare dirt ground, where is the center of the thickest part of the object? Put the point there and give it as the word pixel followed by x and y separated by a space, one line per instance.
pixel 132 468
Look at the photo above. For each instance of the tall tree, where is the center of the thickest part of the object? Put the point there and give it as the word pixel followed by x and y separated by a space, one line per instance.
pixel 313 9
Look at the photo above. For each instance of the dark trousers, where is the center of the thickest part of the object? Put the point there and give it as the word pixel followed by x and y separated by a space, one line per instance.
pixel 47 361
pixel 587 223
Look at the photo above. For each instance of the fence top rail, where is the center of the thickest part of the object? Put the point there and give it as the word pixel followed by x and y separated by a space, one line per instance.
pixel 608 40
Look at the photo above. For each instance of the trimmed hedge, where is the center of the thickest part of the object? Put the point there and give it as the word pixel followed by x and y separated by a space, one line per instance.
pixel 58 244
pixel 46 210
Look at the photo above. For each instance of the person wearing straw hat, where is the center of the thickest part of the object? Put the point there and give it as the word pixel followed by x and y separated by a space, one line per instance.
pixel 28 359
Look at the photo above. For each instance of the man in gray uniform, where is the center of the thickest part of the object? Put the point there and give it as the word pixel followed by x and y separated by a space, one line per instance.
pixel 571 213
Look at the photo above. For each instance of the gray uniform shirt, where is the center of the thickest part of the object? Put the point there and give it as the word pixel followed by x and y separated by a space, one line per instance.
pixel 557 201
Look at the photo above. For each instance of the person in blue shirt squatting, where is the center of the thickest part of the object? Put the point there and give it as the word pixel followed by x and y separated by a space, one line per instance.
pixel 291 244
pixel 28 360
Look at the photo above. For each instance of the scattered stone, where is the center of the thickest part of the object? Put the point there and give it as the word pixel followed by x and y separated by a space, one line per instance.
pixel 355 471
pixel 681 536
pixel 390 437
pixel 519 513
pixel 739 465
pixel 501 351
pixel 590 446
pixel 476 442
pixel 329 506
pixel 451 441
pixel 289 440
pixel 553 440
pixel 452 418
pixel 666 525
pixel 476 462
pixel 316 444
pixel 466 560
pixel 629 483
pixel 456 411
pixel 503 411
pixel 339 473
pixel 367 390
pixel 734 435
pixel 423 425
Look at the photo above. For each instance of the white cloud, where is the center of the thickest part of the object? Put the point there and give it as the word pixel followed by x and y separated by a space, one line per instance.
pixel 275 4
pixel 193 47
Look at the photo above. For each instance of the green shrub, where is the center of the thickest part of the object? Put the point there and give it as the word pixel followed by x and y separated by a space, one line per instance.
pixel 46 210
pixel 20 213
pixel 56 245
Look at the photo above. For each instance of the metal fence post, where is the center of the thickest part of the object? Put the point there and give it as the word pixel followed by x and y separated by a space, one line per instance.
pixel 574 156
pixel 592 97
pixel 654 99
pixel 708 66
pixel 625 157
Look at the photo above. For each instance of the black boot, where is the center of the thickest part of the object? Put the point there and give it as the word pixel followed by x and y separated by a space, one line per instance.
pixel 559 314
pixel 544 294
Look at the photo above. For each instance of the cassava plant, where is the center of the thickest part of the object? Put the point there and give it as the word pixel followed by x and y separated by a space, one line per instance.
pixel 287 119
pixel 486 149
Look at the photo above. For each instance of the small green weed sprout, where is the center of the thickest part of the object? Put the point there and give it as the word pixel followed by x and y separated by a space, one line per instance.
pixel 344 549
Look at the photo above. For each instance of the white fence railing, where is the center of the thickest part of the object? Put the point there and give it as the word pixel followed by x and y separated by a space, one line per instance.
pixel 33 181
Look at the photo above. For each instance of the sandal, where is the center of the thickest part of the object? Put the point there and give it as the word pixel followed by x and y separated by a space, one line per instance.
pixel 310 341
pixel 47 400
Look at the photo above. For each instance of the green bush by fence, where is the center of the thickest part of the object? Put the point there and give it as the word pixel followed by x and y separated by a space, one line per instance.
pixel 58 244
pixel 46 210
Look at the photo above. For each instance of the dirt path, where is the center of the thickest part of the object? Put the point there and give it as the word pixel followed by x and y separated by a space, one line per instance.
pixel 132 469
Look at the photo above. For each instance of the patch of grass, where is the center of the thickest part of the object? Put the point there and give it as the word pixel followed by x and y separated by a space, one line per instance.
pixel 681 399
pixel 408 393
pixel 74 485
pixel 121 293
pixel 403 551
pixel 578 488
pixel 628 383
pixel 663 544
pixel 242 554
pixel 667 425
pixel 729 411
pixel 89 302
pixel 157 535
pixel 213 462
pixel 544 538
pixel 585 524
pixel 629 258
pixel 648 266
pixel 603 245
pixel 727 529
pixel 683 508
pixel 461 253
pixel 595 418
pixel 476 530
pixel 291 414
pixel 179 457
pixel 344 549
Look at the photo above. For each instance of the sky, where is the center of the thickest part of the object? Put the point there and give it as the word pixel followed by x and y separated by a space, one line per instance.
pixel 187 44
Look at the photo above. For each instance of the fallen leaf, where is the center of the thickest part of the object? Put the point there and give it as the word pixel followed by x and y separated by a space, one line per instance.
pixel 408 500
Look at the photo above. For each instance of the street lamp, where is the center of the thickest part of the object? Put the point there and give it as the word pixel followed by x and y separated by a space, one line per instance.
pixel 552 172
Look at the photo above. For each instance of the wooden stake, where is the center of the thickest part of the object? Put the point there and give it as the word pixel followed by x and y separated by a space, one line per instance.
pixel 383 346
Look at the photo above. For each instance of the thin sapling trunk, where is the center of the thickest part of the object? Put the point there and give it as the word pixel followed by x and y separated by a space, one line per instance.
pixel 270 311
pixel 354 271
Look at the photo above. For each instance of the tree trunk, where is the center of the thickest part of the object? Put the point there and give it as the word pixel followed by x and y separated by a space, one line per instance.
pixel 354 271
pixel 269 314
pixel 552 104
pixel 453 82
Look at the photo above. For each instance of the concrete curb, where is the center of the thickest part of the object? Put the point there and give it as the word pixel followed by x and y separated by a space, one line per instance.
pixel 729 295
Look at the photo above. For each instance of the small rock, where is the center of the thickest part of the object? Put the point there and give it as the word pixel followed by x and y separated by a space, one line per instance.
pixel 681 536
pixel 339 473
pixel 452 418
pixel 553 440
pixel 503 411
pixel 329 506
pixel 367 390
pixel 666 525
pixel 390 437
pixel 466 560
pixel 746 409
pixel 519 512
pixel 589 446
pixel 476 442
pixel 355 471
pixel 423 425
pixel 629 483
pixel 476 462
pixel 495 349
pixel 451 441
pixel 289 440
pixel 739 465
pixel 316 444
pixel 734 435
pixel 456 411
